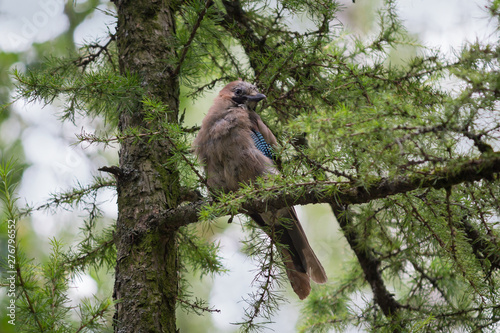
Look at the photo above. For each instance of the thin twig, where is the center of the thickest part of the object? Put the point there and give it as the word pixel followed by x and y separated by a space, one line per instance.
pixel 28 299
pixel 191 37
pixel 200 177
pixel 68 197
pixel 195 306
pixel 85 60
pixel 94 316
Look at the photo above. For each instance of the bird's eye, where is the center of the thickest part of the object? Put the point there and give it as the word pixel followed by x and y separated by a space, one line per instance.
pixel 237 91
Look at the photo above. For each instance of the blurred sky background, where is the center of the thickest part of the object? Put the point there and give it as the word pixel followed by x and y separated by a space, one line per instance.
pixel 55 164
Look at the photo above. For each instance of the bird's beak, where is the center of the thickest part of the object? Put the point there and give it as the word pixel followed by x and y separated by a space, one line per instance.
pixel 256 97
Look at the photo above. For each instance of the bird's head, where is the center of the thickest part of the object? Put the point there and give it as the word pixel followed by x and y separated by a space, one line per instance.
pixel 241 92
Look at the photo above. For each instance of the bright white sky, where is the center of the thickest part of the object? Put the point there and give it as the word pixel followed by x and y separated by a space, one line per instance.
pixel 27 21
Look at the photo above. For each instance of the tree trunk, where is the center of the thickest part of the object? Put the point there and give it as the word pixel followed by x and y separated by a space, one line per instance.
pixel 146 267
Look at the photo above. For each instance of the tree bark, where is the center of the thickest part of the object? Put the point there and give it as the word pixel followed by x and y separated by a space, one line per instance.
pixel 146 268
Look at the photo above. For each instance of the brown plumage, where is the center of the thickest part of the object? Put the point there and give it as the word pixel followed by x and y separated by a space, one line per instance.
pixel 227 147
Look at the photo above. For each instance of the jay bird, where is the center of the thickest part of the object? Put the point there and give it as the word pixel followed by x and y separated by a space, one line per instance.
pixel 236 147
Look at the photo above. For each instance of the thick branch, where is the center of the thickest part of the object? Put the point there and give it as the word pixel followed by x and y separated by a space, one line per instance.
pixel 238 24
pixel 468 171
pixel 369 263
pixel 481 245
pixel 346 194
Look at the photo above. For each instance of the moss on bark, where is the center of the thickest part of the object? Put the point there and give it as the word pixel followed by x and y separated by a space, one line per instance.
pixel 146 270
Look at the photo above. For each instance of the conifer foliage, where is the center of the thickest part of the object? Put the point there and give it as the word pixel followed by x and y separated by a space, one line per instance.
pixel 409 166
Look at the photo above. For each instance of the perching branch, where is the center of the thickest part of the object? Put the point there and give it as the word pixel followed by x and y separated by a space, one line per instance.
pixel 341 194
pixel 346 194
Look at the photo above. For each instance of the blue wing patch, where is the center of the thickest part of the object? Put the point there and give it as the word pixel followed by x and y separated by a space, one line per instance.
pixel 262 145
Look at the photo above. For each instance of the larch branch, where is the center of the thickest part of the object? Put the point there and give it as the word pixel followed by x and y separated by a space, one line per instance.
pixel 346 193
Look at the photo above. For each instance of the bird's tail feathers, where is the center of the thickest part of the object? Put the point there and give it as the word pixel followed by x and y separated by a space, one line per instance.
pixel 310 262
pixel 299 280
pixel 314 268
pixel 300 261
